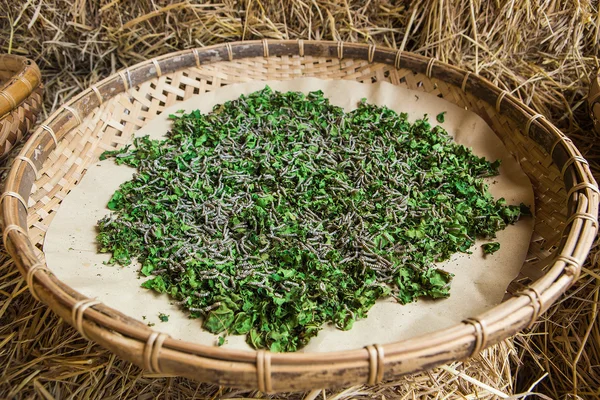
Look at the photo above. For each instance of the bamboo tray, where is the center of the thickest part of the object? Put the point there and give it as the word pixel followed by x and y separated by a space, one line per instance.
pixel 106 115
pixel 20 99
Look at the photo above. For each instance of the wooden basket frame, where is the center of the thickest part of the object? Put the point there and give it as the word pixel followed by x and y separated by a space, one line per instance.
pixel 273 372
pixel 20 99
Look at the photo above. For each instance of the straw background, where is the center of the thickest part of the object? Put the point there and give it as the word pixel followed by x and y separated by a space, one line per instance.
pixel 542 51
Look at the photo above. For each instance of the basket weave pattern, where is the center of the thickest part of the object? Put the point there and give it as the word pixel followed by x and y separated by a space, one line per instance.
pixel 20 99
pixel 105 117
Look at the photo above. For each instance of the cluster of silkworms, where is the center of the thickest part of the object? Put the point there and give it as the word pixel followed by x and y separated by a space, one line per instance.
pixel 281 203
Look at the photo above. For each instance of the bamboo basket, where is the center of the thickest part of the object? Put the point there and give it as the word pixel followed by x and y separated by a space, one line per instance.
pixel 20 99
pixel 105 116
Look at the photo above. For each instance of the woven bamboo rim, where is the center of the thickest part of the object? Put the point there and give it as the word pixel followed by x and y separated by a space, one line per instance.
pixel 104 116
pixel 593 100
pixel 20 99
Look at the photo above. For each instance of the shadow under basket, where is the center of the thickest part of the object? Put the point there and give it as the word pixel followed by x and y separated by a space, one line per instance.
pixel 20 99
pixel 105 116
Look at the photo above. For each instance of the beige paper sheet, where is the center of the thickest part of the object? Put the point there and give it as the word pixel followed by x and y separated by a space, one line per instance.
pixel 478 285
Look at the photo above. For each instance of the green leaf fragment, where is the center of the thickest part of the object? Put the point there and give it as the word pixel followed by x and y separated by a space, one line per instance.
pixel 490 248
pixel 163 317
pixel 219 320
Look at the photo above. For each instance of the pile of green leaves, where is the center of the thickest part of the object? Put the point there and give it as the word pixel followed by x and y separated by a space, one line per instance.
pixel 277 213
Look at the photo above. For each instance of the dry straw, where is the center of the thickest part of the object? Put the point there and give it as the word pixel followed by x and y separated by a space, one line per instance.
pixel 540 53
